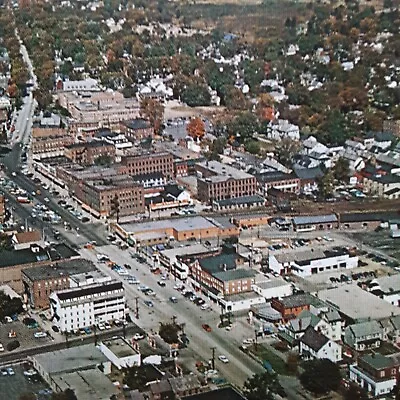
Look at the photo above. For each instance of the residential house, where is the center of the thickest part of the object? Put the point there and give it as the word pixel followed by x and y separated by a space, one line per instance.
pixel 376 373
pixel 281 129
pixel 364 336
pixel 334 320
pixel 315 345
pixel 308 178
pixel 24 240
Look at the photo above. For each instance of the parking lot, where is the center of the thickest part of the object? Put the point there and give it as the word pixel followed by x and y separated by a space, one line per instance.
pixel 23 334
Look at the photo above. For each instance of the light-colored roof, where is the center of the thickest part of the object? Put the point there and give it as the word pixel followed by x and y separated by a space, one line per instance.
pixel 365 329
pixel 315 219
pixel 179 224
pixel 389 284
pixel 304 255
pixel 223 172
pixel 272 283
pixel 358 304
pixel 119 347
pixel 83 357
pixel 88 384
pixel 186 251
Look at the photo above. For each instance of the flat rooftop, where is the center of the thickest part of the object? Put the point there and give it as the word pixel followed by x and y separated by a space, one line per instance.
pixel 358 304
pixel 178 224
pixel 223 172
pixel 272 283
pixel 185 251
pixel 89 384
pixel 119 347
pixel 389 284
pixel 60 268
pixel 81 357
pixel 314 253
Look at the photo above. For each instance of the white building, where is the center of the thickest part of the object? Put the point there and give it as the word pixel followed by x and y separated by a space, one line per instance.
pixel 86 85
pixel 387 288
pixel 311 262
pixel 375 373
pixel 283 129
pixel 85 306
pixel 315 345
pixel 275 287
pixel 120 352
pixel 241 301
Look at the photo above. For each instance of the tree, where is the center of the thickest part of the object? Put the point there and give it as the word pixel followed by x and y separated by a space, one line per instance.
pixel 152 110
pixel 355 392
pixel 320 376
pixel 196 128
pixel 169 333
pixel 286 149
pixel 104 160
pixel 195 95
pixel 136 378
pixel 341 170
pixel 244 126
pixel 234 99
pixel 264 108
pixel 252 146
pixel 325 184
pixel 259 387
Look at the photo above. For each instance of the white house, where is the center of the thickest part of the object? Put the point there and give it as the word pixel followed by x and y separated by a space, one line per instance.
pixel 315 345
pixel 283 129
pixel 364 336
pixel 85 306
pixel 120 352
pixel 271 288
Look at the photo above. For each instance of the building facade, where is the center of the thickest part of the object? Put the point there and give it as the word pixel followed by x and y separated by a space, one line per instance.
pixel 81 307
pixel 88 153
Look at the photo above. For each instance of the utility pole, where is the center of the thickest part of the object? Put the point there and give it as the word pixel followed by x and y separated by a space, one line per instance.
pixel 137 307
pixel 256 341
pixel 213 357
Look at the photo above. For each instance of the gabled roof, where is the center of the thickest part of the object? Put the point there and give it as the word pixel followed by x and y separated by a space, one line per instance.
pixel 365 329
pixel 332 316
pixel 313 339
pixel 308 173
pixel 27 237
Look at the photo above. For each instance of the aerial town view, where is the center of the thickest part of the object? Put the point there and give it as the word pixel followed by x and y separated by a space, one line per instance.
pixel 199 199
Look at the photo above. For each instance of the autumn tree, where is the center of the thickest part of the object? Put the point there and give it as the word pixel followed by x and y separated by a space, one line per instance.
pixel 153 110
pixel 196 128
pixel 264 107
pixel 341 170
pixel 325 184
pixel 234 99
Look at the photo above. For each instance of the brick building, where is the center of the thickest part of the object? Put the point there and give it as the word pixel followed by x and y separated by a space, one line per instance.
pixel 291 306
pixel 88 153
pixel 217 181
pixel 40 281
pixel 50 141
pixel 139 164
pixel 137 129
pixel 278 180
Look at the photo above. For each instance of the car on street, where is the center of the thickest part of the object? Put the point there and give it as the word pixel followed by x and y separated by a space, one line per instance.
pixel 138 336
pixel 46 199
pixel 173 299
pixel 107 325
pixel 1 347
pixel 39 335
pixel 101 326
pixel 148 303
pixel 223 358
pixel 206 327
pixel 161 283
pixel 205 307
pixel 248 341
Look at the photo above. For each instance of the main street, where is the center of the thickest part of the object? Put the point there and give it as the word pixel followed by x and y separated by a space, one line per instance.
pixel 227 343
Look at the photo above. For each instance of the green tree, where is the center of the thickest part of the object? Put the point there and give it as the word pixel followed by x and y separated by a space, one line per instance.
pixel 244 126
pixel 169 333
pixel 252 146
pixel 259 387
pixel 234 99
pixel 355 392
pixel 320 376
pixel 285 150
pixel 136 378
pixel 195 95
pixel 325 184
pixel 216 148
pixel 341 170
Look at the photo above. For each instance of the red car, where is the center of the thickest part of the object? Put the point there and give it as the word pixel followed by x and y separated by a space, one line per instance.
pixel 206 327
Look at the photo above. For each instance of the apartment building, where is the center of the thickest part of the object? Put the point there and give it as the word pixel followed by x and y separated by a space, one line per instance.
pixel 87 153
pixel 217 181
pixel 85 306
pixel 137 129
pixel 148 163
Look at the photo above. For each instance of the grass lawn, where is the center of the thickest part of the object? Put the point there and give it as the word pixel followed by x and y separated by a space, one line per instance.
pixel 277 363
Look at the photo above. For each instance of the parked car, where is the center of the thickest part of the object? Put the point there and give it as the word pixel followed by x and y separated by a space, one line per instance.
pixel 138 336
pixel 39 335
pixel 206 327
pixel 173 299
pixel 161 283
pixel 223 358
pixel 148 303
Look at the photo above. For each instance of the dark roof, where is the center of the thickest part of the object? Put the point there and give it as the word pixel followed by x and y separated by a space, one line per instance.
pixel 88 290
pixel 86 145
pixel 308 173
pixel 234 274
pixel 315 219
pixel 218 263
pixel 9 258
pixel 58 269
pixel 226 393
pixel 172 190
pixel 138 123
pixel 313 339
pixel 391 191
pixel 369 216
pixel 256 199
pixel 298 300
pixel 274 176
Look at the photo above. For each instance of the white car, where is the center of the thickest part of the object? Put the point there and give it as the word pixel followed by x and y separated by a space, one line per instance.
pixel 107 325
pixel 248 341
pixel 223 358
pixel 46 199
pixel 1 347
pixel 138 336
pixel 38 335
pixel 101 326
pixel 205 307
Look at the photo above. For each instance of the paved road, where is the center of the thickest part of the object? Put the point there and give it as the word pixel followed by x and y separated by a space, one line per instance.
pixel 240 366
